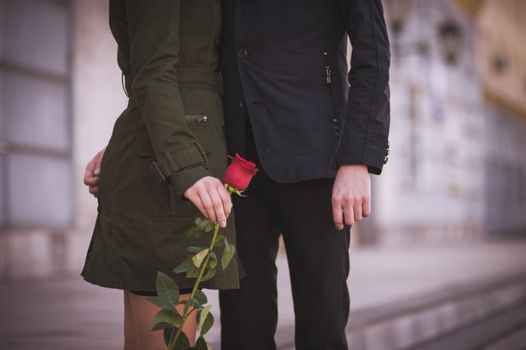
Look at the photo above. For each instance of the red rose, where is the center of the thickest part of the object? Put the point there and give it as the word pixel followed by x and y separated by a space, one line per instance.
pixel 239 173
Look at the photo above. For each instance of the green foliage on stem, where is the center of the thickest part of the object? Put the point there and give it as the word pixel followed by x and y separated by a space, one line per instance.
pixel 198 258
pixel 205 321
pixel 201 265
pixel 200 297
pixel 204 225
pixel 185 266
pixel 167 292
pixel 182 343
pixel 201 344
pixel 194 249
pixel 166 319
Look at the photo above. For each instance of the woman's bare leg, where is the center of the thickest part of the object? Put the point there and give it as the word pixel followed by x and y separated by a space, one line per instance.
pixel 130 338
pixel 143 315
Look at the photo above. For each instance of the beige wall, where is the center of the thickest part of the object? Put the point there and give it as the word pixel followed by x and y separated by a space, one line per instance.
pixel 97 92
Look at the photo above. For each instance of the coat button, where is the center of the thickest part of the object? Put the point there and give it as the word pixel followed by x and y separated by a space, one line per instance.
pixel 243 52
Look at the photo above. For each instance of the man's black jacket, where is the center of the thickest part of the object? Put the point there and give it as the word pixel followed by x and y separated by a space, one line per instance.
pixel 284 65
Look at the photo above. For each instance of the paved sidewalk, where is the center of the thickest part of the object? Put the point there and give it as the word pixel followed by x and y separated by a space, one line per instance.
pixel 69 313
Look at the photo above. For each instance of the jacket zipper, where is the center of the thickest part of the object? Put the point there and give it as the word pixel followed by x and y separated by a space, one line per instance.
pixel 328 82
pixel 328 71
pixel 196 118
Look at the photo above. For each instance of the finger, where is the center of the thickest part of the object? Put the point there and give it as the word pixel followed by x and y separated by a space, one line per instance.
pixel 366 207
pixel 90 168
pixel 357 209
pixel 226 199
pixel 348 213
pixel 196 201
pixel 208 205
pixel 88 175
pixel 337 214
pixel 218 207
pixel 91 181
pixel 93 190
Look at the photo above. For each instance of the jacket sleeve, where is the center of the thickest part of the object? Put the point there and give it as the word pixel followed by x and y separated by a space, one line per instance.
pixel 366 122
pixel 154 54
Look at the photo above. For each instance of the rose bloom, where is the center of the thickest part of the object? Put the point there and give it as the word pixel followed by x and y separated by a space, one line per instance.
pixel 239 173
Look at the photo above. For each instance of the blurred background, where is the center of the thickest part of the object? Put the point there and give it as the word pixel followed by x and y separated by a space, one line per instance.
pixel 441 264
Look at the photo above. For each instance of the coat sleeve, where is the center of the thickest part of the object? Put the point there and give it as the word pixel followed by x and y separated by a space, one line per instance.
pixel 366 122
pixel 154 54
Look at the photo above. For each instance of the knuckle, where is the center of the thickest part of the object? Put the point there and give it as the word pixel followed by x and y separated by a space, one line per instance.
pixel 208 206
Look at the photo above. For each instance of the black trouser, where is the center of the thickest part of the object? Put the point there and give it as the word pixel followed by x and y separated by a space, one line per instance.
pixel 318 261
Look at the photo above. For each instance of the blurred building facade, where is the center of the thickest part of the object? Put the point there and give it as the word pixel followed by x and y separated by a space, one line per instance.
pixel 456 167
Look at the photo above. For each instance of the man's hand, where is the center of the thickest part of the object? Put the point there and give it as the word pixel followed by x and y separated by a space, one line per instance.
pixel 351 195
pixel 91 176
pixel 211 198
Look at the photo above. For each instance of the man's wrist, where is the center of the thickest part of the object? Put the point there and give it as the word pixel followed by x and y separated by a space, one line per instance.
pixel 354 167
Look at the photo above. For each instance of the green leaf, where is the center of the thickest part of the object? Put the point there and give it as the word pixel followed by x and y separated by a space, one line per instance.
pixel 228 254
pixel 199 257
pixel 182 342
pixel 162 325
pixel 209 274
pixel 189 303
pixel 161 302
pixel 207 323
pixel 210 227
pixel 168 335
pixel 186 265
pixel 167 290
pixel 193 273
pixel 194 249
pixel 202 223
pixel 194 232
pixel 202 317
pixel 200 297
pixel 164 319
pixel 201 344
pixel 220 241
pixel 212 263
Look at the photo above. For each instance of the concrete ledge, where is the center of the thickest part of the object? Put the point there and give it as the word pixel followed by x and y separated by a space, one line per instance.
pixel 41 254
pixel 485 333
pixel 408 323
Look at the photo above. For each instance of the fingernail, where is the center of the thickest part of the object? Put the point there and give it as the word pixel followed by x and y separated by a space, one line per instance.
pixel 223 224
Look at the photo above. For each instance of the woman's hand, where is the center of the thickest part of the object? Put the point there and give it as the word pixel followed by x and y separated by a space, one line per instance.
pixel 91 176
pixel 211 198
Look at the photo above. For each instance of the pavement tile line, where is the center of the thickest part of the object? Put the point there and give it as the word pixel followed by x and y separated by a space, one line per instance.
pixel 408 323
pixel 391 303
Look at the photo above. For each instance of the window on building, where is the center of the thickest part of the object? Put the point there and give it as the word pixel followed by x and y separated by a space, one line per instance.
pixel 35 109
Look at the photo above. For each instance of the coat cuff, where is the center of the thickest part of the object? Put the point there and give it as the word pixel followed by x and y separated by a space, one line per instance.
pixel 184 167
pixel 374 158
pixel 184 179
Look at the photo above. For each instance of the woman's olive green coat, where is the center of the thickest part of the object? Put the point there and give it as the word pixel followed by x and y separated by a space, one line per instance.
pixel 167 51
